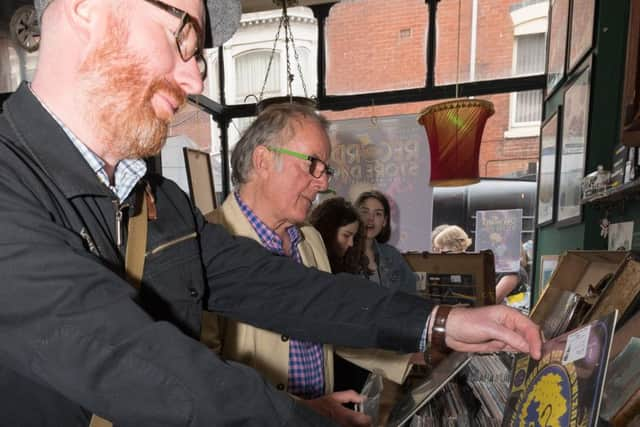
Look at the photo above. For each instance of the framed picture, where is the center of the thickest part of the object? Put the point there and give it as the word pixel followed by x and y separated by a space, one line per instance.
pixel 200 179
pixel 575 126
pixel 631 89
pixel 548 264
pixel 548 155
pixel 557 43
pixel 581 37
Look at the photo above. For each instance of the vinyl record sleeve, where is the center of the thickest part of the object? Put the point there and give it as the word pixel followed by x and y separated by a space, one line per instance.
pixel 418 396
pixel 564 388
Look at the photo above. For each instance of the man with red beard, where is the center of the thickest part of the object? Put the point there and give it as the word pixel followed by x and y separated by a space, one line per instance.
pixel 77 338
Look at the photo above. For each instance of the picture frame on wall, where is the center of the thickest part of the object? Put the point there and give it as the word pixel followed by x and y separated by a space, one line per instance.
pixel 200 179
pixel 583 14
pixel 575 127
pixel 557 43
pixel 549 134
pixel 548 264
pixel 630 123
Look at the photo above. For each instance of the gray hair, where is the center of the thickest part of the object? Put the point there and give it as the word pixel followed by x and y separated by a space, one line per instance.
pixel 273 126
pixel 223 18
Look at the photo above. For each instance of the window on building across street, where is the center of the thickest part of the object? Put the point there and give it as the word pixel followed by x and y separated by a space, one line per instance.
pixel 529 57
pixel 252 64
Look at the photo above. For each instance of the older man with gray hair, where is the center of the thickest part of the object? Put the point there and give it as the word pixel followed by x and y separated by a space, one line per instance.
pixel 83 220
pixel 279 166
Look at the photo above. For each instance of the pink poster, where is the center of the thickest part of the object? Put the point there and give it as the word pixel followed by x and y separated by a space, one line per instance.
pixel 391 155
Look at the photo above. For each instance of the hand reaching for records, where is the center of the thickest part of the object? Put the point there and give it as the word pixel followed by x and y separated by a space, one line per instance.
pixel 331 407
pixel 492 328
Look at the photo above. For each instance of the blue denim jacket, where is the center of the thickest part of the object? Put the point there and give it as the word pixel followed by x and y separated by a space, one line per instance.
pixel 393 271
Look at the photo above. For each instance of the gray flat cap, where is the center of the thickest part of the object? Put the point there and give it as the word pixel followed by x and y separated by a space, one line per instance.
pixel 223 18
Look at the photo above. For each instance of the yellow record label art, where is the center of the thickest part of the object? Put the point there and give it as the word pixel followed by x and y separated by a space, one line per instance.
pixel 550 395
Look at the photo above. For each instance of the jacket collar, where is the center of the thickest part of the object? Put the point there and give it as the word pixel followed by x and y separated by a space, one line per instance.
pixel 234 220
pixel 39 134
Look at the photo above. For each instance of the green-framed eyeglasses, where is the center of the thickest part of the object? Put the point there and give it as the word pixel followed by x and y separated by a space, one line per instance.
pixel 317 167
pixel 189 36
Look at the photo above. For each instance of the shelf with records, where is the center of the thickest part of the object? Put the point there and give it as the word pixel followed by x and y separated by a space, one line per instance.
pixel 590 295
pixel 476 397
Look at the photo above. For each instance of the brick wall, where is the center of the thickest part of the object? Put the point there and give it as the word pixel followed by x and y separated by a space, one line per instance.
pixel 380 45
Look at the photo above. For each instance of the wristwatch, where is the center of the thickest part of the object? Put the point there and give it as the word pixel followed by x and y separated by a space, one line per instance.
pixel 439 329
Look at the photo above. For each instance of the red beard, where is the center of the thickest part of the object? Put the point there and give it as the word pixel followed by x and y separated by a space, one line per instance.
pixel 118 90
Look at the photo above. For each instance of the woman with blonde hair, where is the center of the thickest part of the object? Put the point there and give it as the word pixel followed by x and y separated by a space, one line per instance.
pixel 452 239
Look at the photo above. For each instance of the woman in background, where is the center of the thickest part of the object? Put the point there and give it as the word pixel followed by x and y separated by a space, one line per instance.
pixel 434 234
pixel 386 265
pixel 452 239
pixel 342 232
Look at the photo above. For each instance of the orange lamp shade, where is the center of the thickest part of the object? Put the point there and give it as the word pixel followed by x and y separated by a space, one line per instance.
pixel 454 130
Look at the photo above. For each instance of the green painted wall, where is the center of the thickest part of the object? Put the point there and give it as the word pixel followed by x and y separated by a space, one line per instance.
pixel 607 76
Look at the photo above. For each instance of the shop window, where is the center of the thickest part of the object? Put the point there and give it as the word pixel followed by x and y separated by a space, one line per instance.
pixel 526 107
pixel 250 69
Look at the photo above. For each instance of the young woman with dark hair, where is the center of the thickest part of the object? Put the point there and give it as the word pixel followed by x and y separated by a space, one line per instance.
pixel 386 266
pixel 343 234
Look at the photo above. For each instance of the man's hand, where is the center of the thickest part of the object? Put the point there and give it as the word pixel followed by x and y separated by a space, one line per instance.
pixel 331 407
pixel 492 328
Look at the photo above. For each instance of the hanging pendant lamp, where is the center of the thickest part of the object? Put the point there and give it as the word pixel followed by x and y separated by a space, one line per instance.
pixel 454 131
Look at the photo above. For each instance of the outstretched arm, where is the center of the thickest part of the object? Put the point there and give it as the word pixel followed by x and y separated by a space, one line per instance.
pixel 249 284
pixel 492 328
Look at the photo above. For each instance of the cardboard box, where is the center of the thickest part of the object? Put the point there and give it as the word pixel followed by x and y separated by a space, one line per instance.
pixel 455 278
pixel 603 281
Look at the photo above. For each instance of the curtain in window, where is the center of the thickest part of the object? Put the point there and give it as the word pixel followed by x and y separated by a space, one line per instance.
pixel 250 71
pixel 530 59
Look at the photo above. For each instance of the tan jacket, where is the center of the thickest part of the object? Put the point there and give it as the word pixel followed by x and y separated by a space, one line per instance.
pixel 268 352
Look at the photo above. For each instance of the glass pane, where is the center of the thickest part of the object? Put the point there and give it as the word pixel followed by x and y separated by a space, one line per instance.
pixel 16 64
pixel 191 128
pixel 236 129
pixel 490 39
pixel 251 52
pixel 509 148
pixel 212 83
pixel 376 45
pixel 528 106
pixel 252 64
pixel 389 154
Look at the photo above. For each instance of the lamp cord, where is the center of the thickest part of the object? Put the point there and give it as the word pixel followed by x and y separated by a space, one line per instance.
pixel 288 38
pixel 458 52
pixel 273 51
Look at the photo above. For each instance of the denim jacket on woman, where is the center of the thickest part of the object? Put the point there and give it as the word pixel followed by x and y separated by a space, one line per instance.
pixel 393 271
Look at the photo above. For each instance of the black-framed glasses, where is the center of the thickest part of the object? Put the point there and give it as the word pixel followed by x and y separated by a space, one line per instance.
pixel 317 167
pixel 189 36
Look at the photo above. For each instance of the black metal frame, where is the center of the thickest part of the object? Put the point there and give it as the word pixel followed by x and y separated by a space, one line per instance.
pixel 225 113
pixel 557 116
pixel 587 66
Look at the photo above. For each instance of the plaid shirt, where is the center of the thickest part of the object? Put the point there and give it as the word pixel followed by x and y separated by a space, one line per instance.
pixel 128 171
pixel 306 359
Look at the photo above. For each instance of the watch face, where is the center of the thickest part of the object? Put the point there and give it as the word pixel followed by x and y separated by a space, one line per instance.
pixel 24 28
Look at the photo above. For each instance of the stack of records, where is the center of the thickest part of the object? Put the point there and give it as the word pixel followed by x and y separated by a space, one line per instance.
pixel 477 397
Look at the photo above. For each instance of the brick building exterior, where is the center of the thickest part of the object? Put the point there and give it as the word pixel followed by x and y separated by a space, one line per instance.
pixel 380 45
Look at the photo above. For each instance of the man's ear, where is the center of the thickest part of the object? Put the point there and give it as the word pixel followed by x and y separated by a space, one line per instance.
pixel 81 15
pixel 263 161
